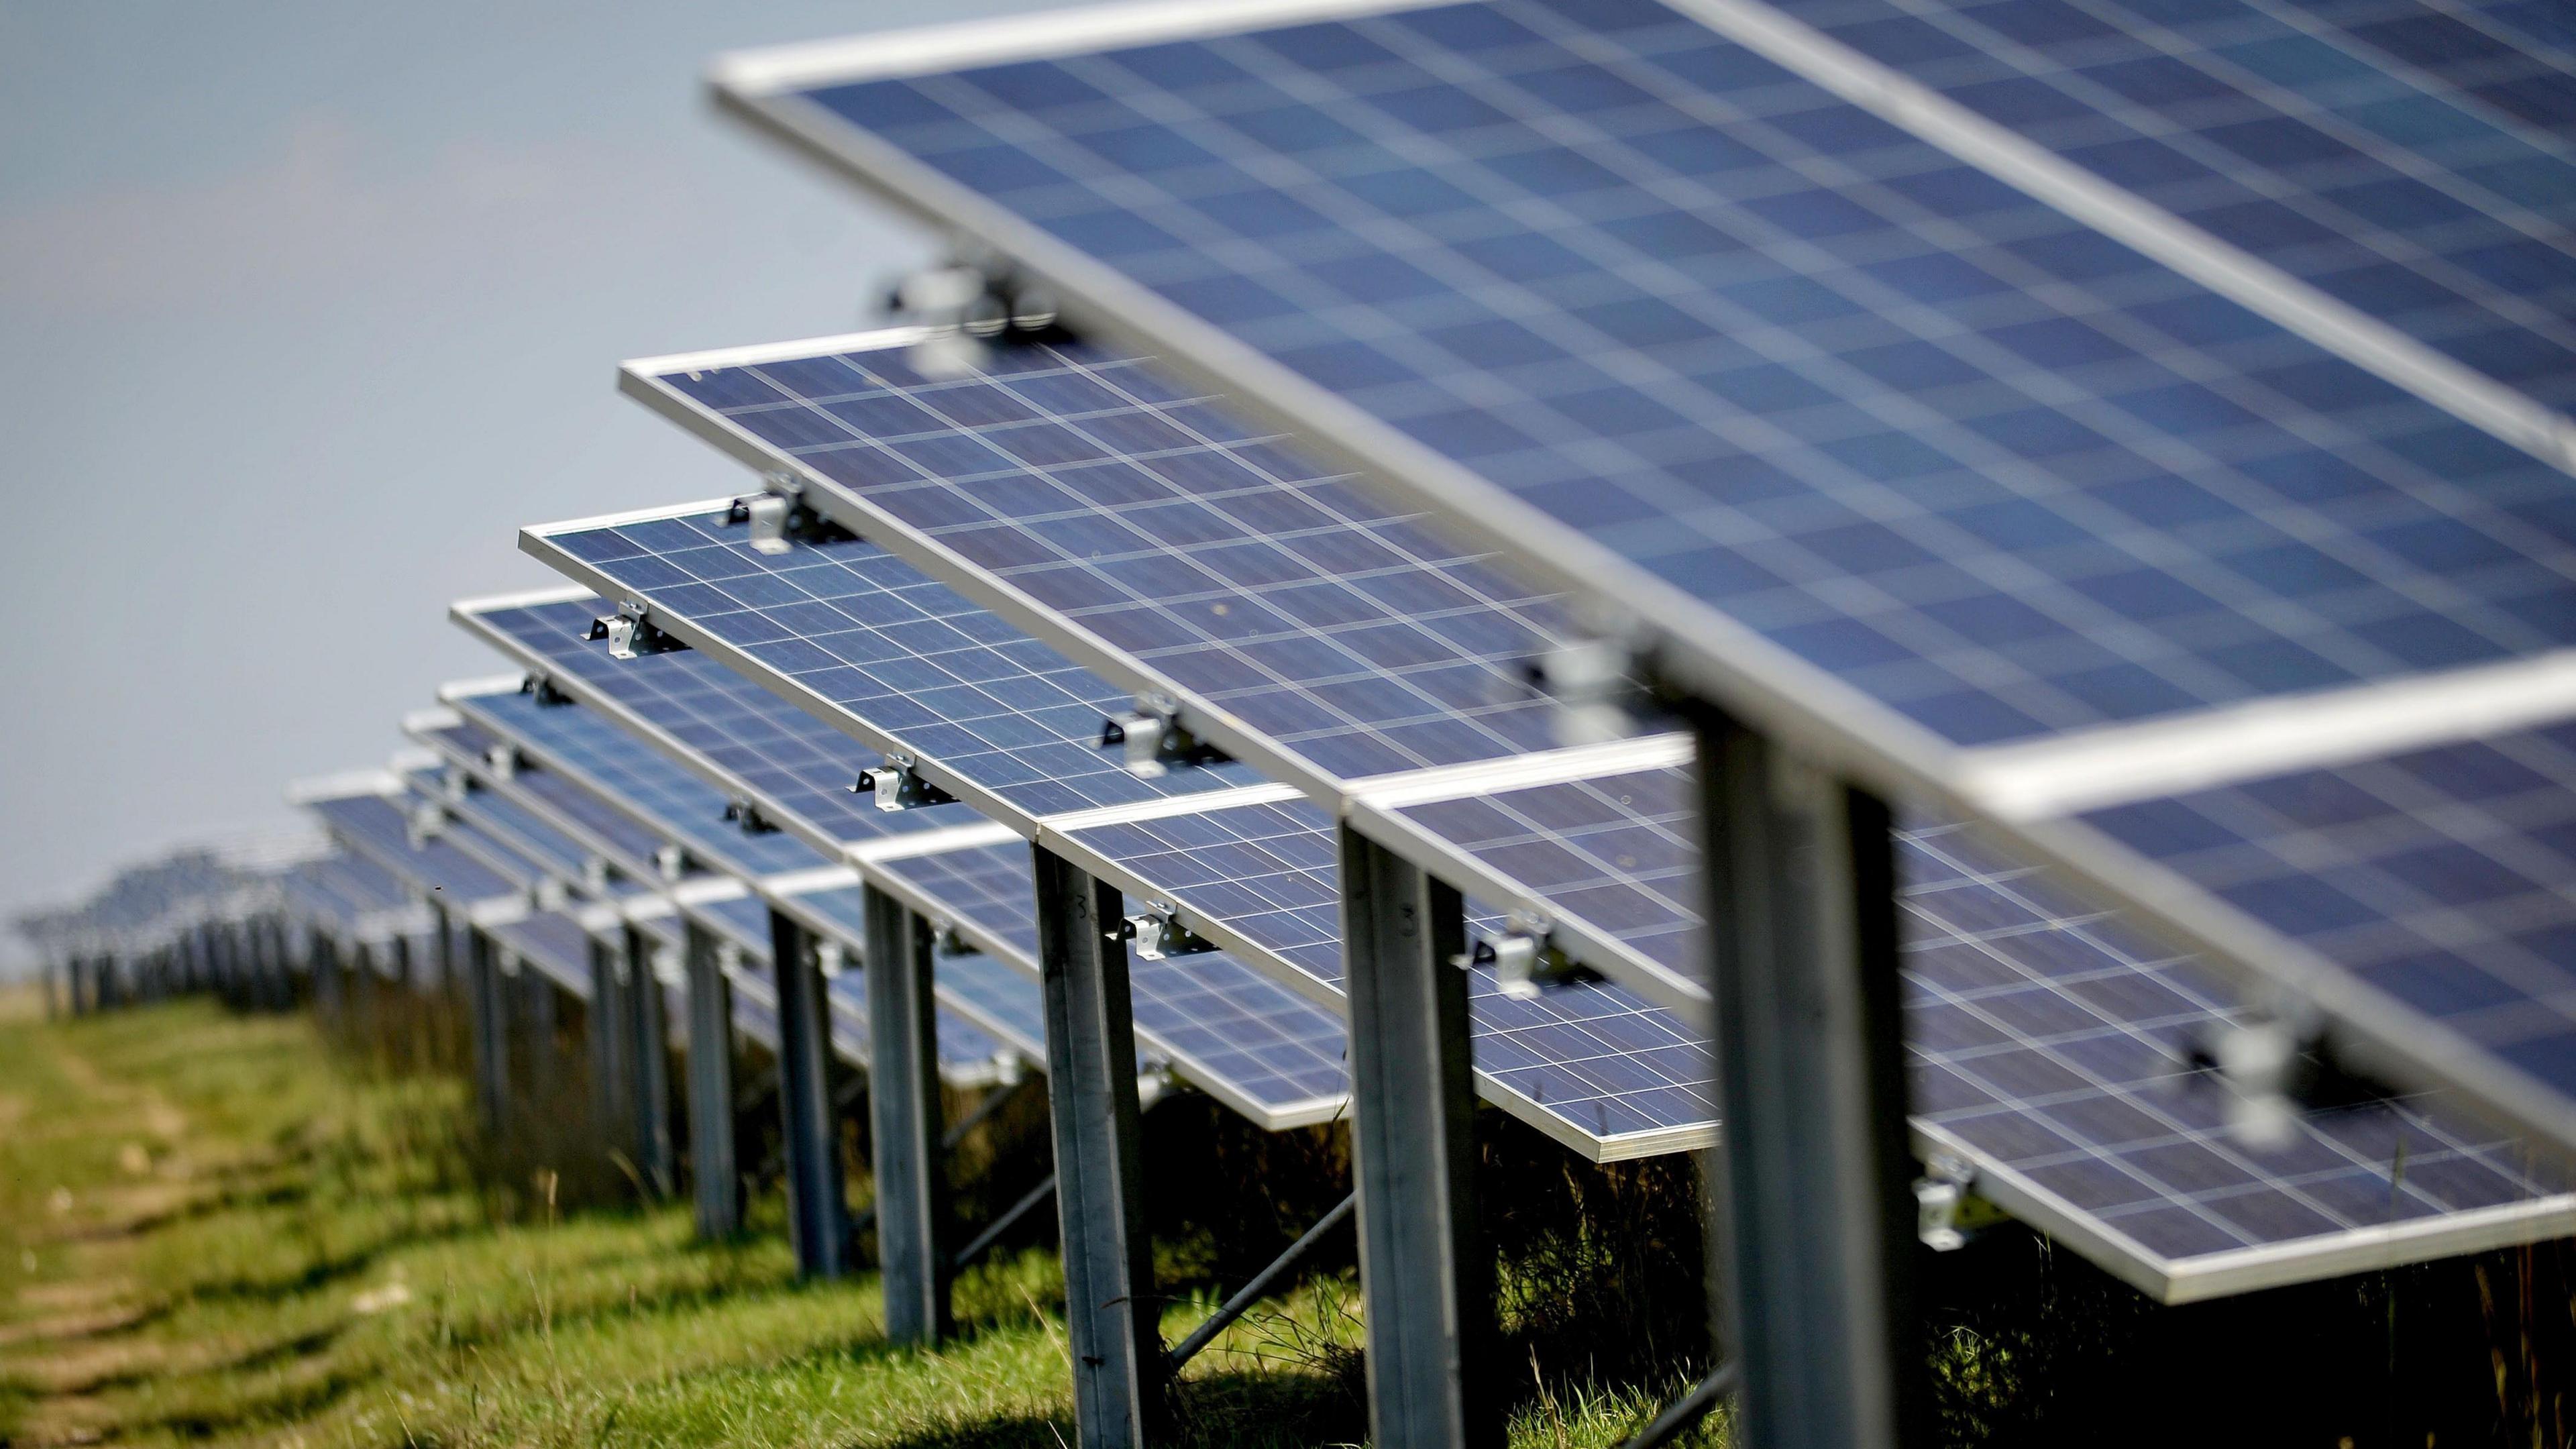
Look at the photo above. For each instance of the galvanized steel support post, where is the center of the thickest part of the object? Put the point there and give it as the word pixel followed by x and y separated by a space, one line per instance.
pixel 612 1094
pixel 1815 1219
pixel 1428 1292
pixel 647 1027
pixel 1110 1306
pixel 818 1202
pixel 487 1007
pixel 903 1093
pixel 715 1176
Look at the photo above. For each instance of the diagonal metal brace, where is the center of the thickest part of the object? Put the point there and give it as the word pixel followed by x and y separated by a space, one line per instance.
pixel 1254 1291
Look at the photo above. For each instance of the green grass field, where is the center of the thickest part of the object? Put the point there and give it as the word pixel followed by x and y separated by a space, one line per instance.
pixel 212 1230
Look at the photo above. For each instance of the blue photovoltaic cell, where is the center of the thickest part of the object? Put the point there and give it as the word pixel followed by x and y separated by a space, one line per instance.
pixel 437 869
pixel 1220 1022
pixel 2412 162
pixel 507 820
pixel 615 831
pixel 554 944
pixel 2439 876
pixel 1222 559
pixel 2045 1037
pixel 779 753
pixel 744 920
pixel 1231 1027
pixel 1617 1068
pixel 343 890
pixel 1616 851
pixel 2050 1040
pixel 1016 1008
pixel 609 762
pixel 1590 1053
pixel 1925 432
pixel 870 634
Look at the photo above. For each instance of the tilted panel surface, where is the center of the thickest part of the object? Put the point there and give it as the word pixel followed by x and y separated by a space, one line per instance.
pixel 2000 473
pixel 2416 161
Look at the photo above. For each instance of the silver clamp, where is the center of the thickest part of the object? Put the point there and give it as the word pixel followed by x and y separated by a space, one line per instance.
pixel 670 861
pixel 508 961
pixel 1154 740
pixel 455 784
pixel 965 305
pixel 740 812
pixel 541 687
pixel 2257 1061
pixel 1593 684
pixel 1941 1202
pixel 667 968
pixel 947 940
pixel 898 785
pixel 631 632
pixel 594 875
pixel 1158 933
pixel 1523 957
pixel 423 824
pixel 830 959
pixel 548 894
pixel 728 960
pixel 502 759
pixel 780 518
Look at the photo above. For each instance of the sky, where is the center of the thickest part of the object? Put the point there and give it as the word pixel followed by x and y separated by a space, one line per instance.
pixel 305 308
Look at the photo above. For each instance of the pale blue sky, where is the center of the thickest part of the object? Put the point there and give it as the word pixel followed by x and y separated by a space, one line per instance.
pixel 304 309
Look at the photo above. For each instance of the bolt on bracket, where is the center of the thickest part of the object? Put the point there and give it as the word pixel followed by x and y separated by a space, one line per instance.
pixel 898 785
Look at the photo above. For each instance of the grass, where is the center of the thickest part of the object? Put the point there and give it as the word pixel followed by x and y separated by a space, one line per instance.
pixel 211 1229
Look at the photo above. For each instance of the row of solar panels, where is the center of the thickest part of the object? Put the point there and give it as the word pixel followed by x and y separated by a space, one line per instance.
pixel 1873 438
pixel 2053 1047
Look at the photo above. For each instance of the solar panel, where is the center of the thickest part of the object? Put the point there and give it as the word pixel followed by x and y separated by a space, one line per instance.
pixel 1891 457
pixel 721 726
pixel 614 767
pixel 2414 164
pixel 2439 875
pixel 1615 1077
pixel 2054 1047
pixel 967 1055
pixel 435 869
pixel 1272 1057
pixel 1097 504
pixel 1003 1003
pixel 565 805
pixel 850 628
pixel 553 943
pixel 355 899
pixel 1266 1053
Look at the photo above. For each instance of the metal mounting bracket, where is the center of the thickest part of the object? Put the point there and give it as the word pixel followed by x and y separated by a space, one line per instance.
pixel 541 687
pixel 744 814
pixel 947 940
pixel 1593 682
pixel 1940 1195
pixel 594 875
pixel 898 785
pixel 1155 740
pixel 423 824
pixel 728 959
pixel 2258 1061
pixel 966 304
pixel 631 632
pixel 1159 934
pixel 503 761
pixel 670 861
pixel 1524 957
pixel 668 967
pixel 780 518
pixel 548 894
pixel 830 959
